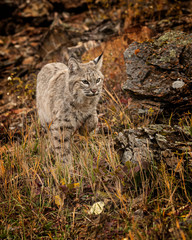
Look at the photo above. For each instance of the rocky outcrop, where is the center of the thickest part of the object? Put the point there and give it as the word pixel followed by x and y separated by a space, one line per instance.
pixel 157 142
pixel 159 71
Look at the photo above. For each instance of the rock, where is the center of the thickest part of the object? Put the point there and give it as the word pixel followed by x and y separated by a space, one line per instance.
pixel 184 22
pixel 35 9
pixel 63 40
pixel 68 4
pixel 160 71
pixel 155 143
pixel 138 214
pixel 102 31
pixel 178 84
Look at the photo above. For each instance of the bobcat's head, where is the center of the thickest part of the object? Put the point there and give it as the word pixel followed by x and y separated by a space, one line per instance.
pixel 85 79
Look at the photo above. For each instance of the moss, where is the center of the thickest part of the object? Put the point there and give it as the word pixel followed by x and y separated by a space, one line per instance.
pixel 165 59
pixel 173 37
pixel 173 53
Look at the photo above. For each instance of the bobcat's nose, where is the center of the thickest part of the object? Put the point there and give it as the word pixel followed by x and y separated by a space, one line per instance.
pixel 93 90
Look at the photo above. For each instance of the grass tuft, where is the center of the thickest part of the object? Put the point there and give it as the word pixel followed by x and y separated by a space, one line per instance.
pixel 40 197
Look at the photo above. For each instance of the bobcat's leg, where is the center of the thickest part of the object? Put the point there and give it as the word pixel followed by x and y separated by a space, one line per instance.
pixel 89 125
pixel 61 135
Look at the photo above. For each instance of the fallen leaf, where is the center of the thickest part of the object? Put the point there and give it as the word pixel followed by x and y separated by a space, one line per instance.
pixel 62 181
pixel 73 185
pixel 66 188
pixel 76 185
pixel 97 208
pixel 58 201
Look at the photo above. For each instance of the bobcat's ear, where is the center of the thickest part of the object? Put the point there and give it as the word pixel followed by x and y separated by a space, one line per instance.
pixel 73 65
pixel 99 61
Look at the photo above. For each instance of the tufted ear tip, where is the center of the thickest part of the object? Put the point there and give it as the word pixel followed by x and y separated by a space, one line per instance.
pixel 73 65
pixel 99 61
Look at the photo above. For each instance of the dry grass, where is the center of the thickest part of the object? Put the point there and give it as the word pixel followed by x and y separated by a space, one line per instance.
pixel 40 198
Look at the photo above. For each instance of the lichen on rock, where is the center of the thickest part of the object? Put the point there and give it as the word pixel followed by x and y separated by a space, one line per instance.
pixel 160 71
pixel 156 142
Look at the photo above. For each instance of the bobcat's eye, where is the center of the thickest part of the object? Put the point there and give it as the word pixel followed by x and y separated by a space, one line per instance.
pixel 98 80
pixel 85 82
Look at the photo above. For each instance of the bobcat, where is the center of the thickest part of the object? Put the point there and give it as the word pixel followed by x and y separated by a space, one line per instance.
pixel 67 99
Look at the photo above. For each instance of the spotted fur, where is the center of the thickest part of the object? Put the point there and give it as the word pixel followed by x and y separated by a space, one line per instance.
pixel 67 98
